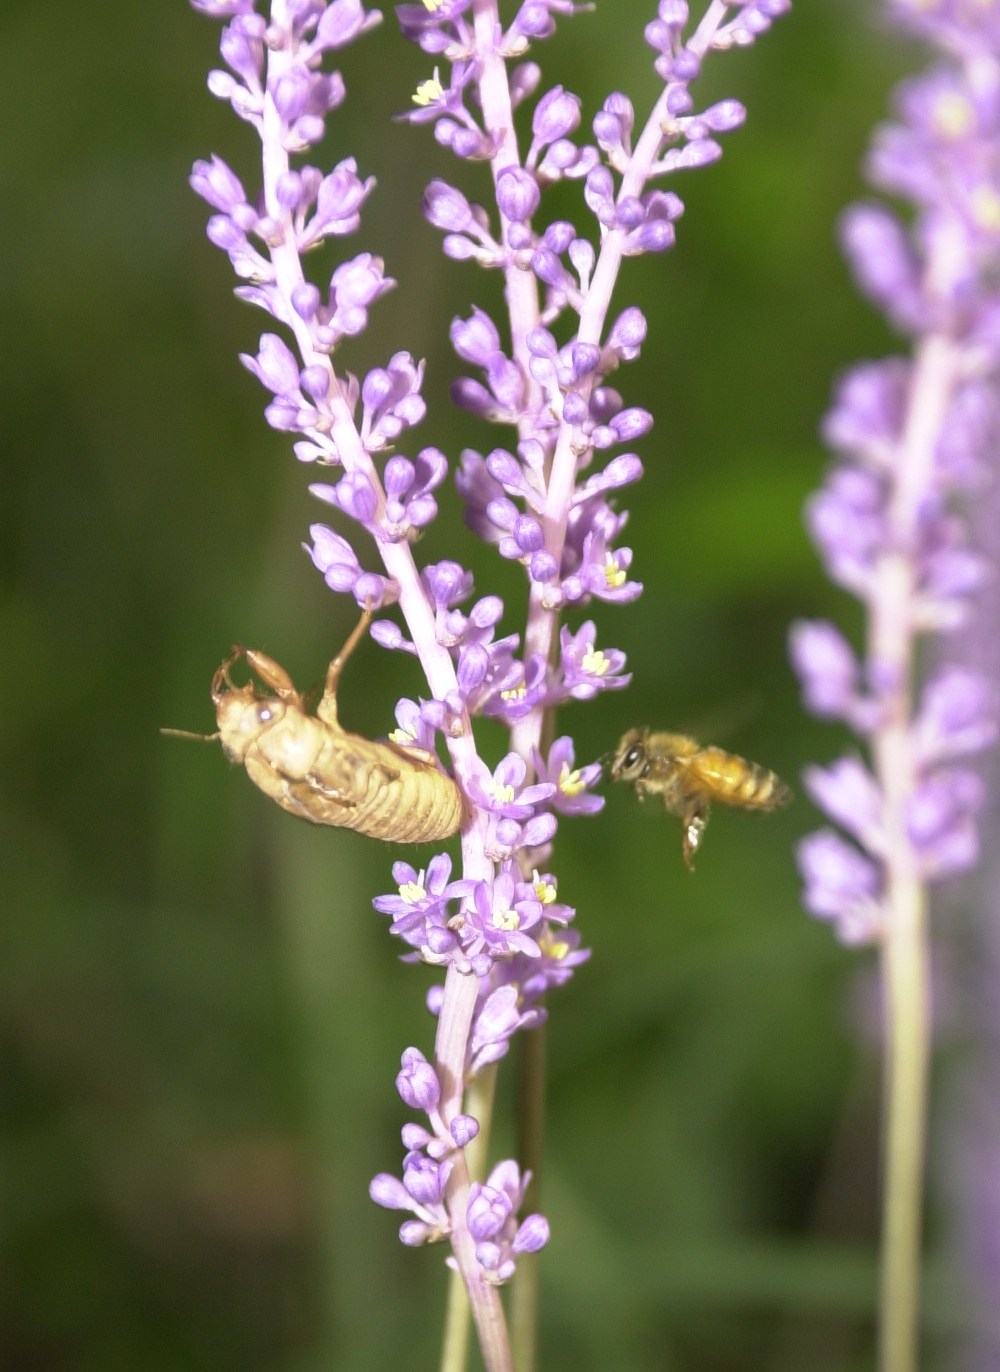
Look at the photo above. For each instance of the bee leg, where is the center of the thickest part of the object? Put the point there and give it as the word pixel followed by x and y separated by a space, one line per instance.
pixel 694 827
pixel 327 708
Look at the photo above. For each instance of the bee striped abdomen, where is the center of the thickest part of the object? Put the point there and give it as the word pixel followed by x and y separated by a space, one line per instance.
pixel 734 780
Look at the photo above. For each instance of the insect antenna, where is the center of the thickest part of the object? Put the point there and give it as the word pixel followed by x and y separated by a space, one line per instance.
pixel 187 733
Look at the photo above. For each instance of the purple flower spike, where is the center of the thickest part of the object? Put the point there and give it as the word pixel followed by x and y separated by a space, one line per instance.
pixel 910 439
pixel 543 367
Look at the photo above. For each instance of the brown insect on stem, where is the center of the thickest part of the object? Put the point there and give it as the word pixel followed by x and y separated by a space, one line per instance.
pixel 320 772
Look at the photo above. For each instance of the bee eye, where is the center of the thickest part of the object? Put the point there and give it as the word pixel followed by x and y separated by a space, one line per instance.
pixel 265 714
pixel 633 756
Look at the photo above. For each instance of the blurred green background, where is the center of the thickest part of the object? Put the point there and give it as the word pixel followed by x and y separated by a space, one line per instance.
pixel 201 1015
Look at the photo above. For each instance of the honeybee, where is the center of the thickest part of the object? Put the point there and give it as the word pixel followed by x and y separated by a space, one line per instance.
pixel 689 778
pixel 315 769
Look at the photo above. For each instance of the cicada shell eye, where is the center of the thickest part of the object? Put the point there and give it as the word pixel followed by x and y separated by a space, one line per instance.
pixel 242 718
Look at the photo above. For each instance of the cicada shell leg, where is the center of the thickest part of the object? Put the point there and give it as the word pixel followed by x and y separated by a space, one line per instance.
pixel 272 674
pixel 327 707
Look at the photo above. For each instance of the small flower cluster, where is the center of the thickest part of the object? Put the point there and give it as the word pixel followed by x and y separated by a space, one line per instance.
pixel 498 930
pixel 492 1206
pixel 914 439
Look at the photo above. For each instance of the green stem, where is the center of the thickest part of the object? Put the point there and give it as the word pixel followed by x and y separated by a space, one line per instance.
pixel 458 1313
pixel 905 962
pixel 530 1150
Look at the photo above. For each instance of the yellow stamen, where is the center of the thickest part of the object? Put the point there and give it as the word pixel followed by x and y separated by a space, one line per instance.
pixel 545 889
pixel 507 919
pixel 985 205
pixel 570 782
pixel 595 663
pixel 953 116
pixel 430 90
pixel 552 947
pixel 613 574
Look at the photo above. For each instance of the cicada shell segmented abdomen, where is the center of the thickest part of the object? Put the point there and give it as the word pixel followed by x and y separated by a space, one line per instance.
pixel 379 790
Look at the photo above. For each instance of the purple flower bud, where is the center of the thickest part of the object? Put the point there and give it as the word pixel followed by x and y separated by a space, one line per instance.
pixel 884 263
pixel 290 93
pixel 849 793
pixel 940 821
pixel 556 115
pixel 687 65
pixel 628 333
pixel 532 1234
pixel 518 195
pixel 388 1191
pixel 627 426
pixel 958 714
pixel 725 115
pixel 549 270
pixel 446 208
pixel 306 300
pixel 599 192
pixel 215 182
pixel 463 1129
pixel 487 1211
pixel 473 665
pixel 274 365
pixel 868 409
pixel 586 358
pixel 841 885
pixel 847 523
pixel 475 339
pixel 316 381
pixel 528 534
pixel 338 204
pixel 425 1179
pixel 341 22
pixel 415 1137
pixel 826 666
pixel 417 1083
pixel 543 568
